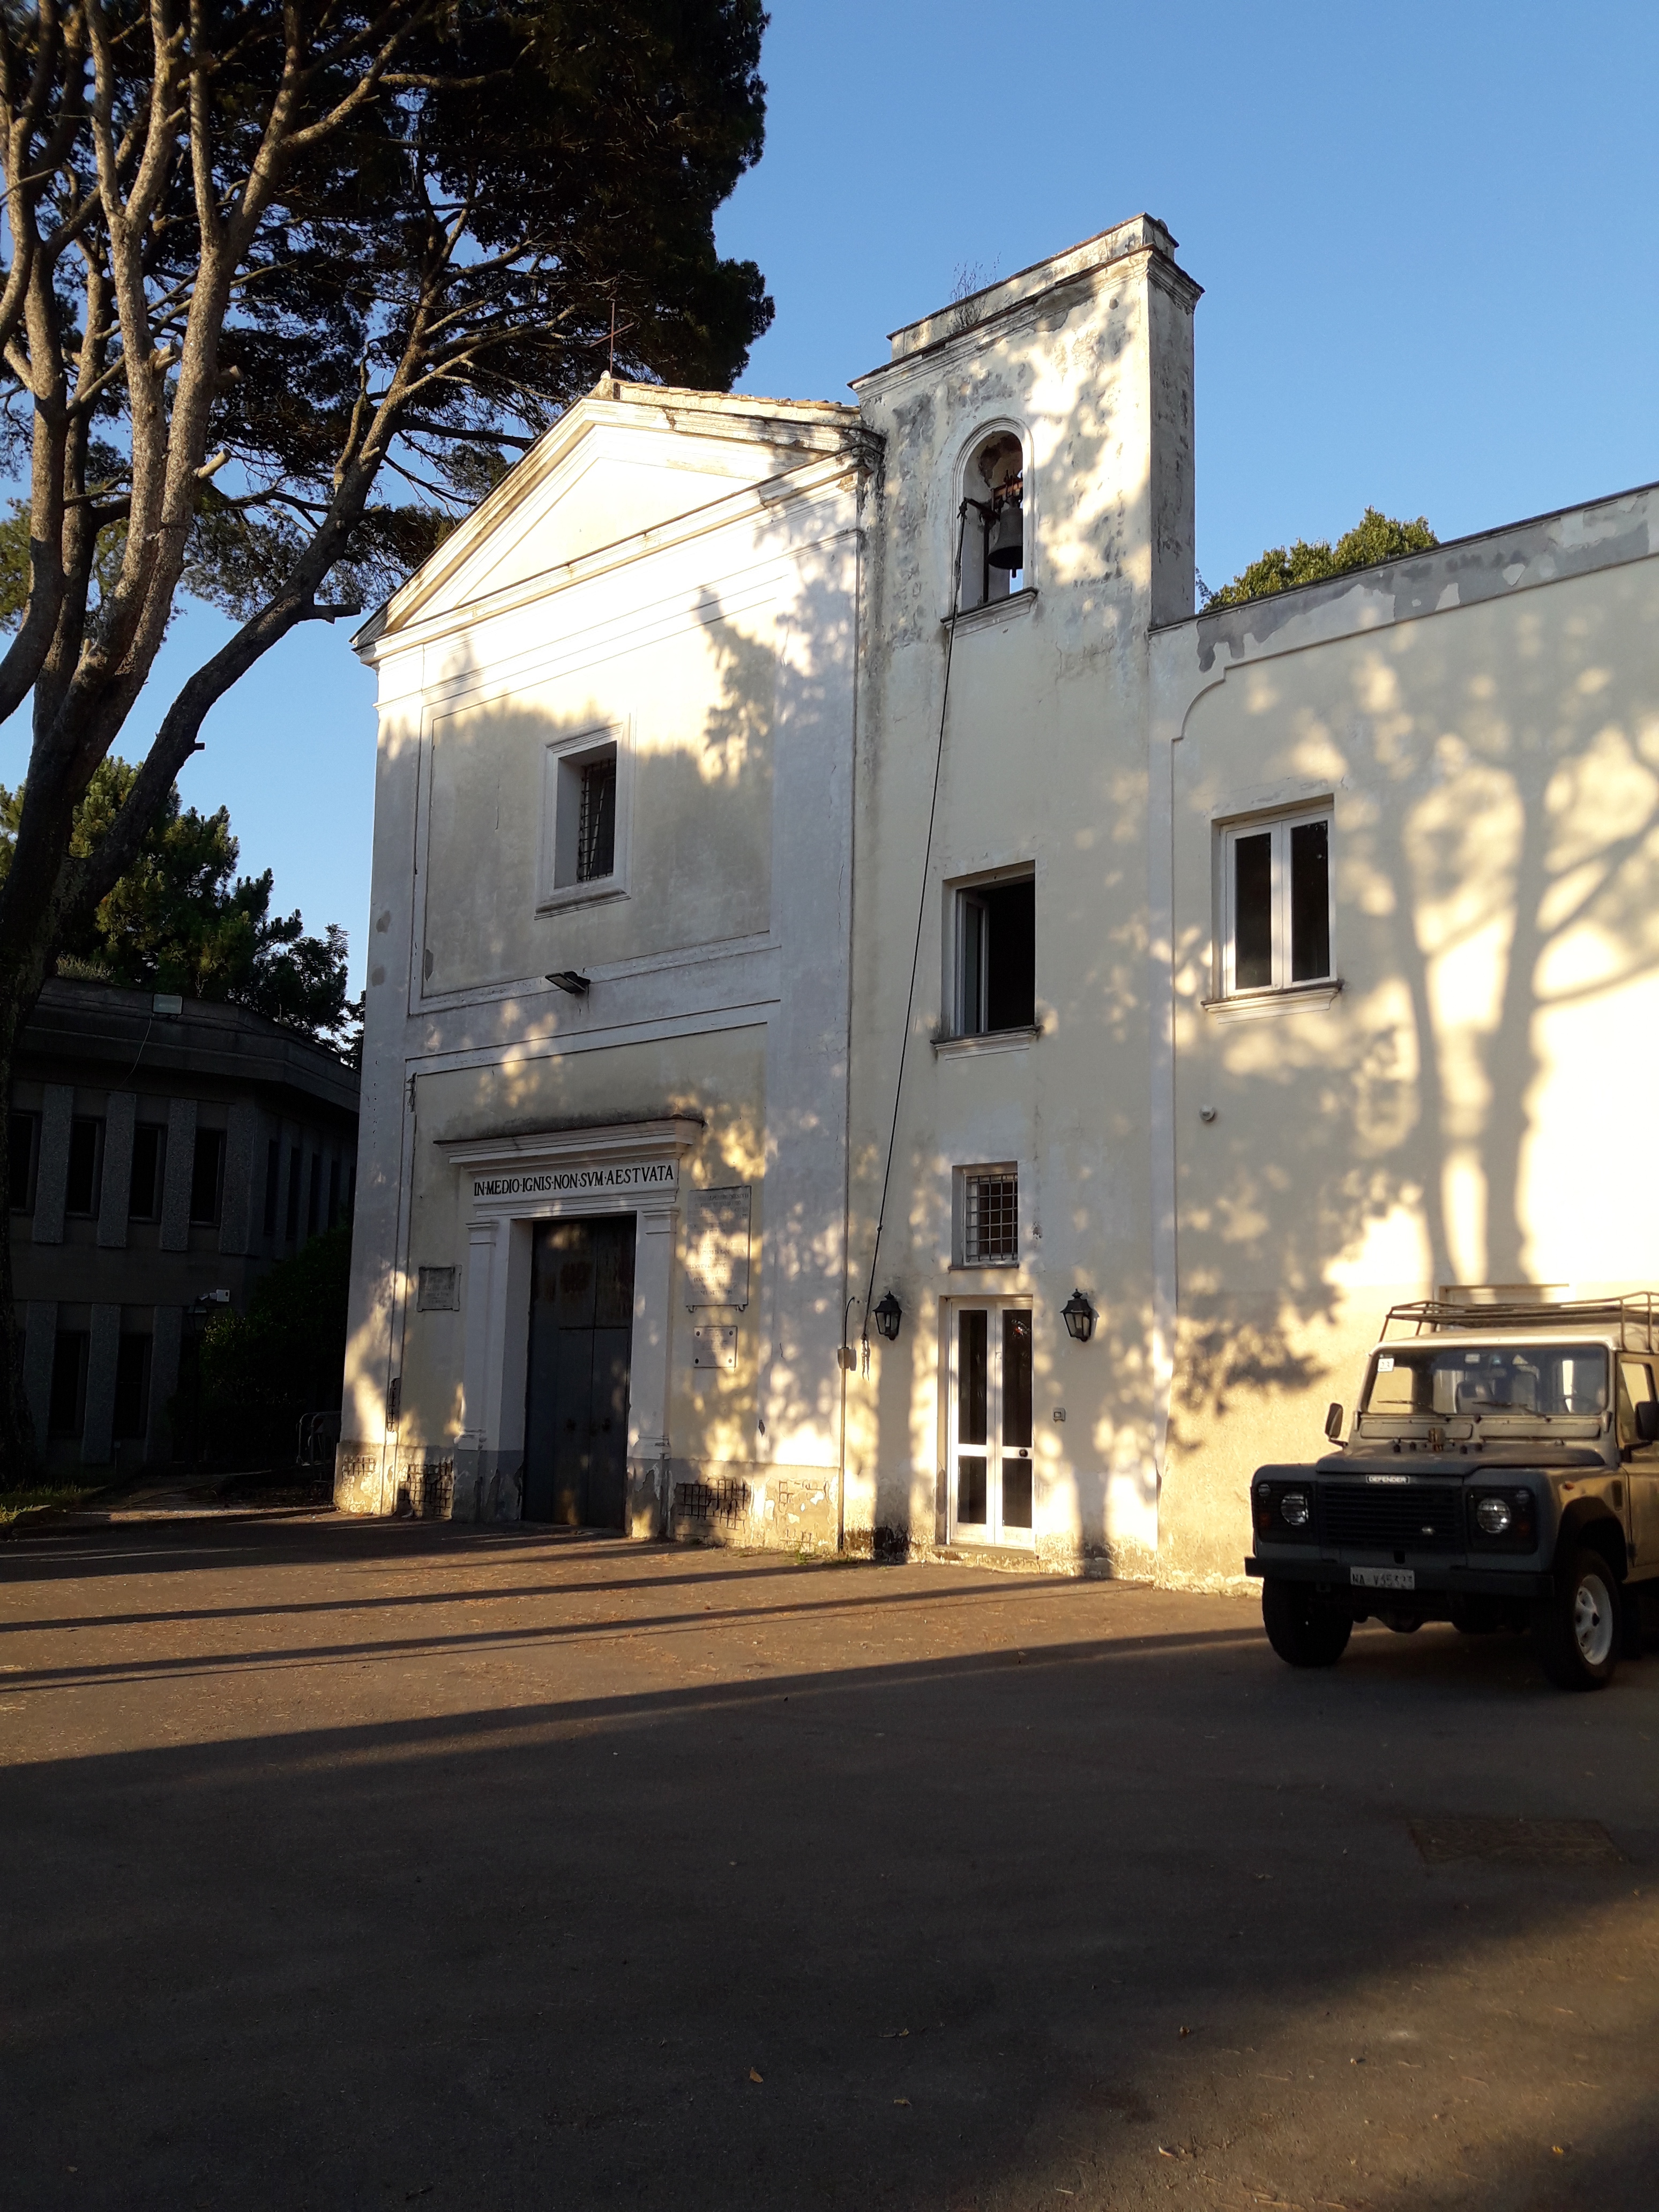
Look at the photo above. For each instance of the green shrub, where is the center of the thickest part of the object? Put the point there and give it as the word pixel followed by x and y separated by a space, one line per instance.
pixel 285 1357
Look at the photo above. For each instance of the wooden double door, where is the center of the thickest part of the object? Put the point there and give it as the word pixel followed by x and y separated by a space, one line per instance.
pixel 581 1336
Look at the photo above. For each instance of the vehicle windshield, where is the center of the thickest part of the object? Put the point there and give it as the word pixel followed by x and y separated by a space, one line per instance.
pixel 1536 1380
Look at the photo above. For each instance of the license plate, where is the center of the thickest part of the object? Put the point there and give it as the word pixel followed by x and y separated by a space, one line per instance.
pixel 1383 1577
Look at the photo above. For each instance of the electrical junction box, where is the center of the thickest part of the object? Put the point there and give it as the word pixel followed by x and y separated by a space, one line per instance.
pixel 714 1347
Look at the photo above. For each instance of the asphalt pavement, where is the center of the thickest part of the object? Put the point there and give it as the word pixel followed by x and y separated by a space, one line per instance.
pixel 354 1864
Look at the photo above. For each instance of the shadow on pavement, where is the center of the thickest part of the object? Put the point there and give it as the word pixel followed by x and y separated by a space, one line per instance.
pixel 1009 1893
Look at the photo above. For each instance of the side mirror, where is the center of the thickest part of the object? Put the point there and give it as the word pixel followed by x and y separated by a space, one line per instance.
pixel 1647 1421
pixel 1334 1422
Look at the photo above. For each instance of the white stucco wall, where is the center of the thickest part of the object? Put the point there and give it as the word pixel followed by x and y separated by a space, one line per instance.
pixel 716 643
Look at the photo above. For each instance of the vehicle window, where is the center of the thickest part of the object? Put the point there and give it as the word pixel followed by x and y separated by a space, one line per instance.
pixel 1635 1388
pixel 1439 1380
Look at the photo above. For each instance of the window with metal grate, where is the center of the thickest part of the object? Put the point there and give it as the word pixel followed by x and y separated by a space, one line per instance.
pixel 990 1224
pixel 596 828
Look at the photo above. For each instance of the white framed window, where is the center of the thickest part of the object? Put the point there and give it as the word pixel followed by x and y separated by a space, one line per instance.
pixel 586 786
pixel 1277 914
pixel 992 985
pixel 988 1216
pixel 992 519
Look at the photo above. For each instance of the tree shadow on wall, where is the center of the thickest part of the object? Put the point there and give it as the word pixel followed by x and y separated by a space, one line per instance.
pixel 1459 1116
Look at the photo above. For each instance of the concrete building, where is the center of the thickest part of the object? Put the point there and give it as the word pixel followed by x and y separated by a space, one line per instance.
pixel 822 859
pixel 161 1150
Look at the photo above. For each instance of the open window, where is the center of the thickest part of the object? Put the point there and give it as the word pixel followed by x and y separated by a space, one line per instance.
pixel 993 522
pixel 584 827
pixel 995 965
pixel 1276 892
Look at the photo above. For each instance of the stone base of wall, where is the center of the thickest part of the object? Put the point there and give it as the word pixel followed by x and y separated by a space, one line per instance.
pixel 448 1482
pixel 1051 1555
pixel 756 1508
pixel 357 1472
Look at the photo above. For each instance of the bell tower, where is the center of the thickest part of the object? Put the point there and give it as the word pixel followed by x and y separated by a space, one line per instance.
pixel 1045 422
pixel 1030 526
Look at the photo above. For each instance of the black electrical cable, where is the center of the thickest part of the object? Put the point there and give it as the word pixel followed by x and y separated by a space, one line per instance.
pixel 921 916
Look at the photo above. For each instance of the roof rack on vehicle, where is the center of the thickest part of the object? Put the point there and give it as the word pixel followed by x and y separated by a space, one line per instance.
pixel 1635 1317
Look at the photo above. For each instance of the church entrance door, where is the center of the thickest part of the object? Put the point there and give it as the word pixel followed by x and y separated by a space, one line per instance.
pixel 581 1334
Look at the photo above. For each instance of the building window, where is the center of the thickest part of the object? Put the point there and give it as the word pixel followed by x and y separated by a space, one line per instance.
pixel 596 820
pixel 314 1202
pixel 334 1192
pixel 86 1165
pixel 291 1224
pixel 1277 894
pixel 996 957
pixel 207 1177
pixel 992 522
pixel 273 1183
pixel 149 1147
pixel 583 827
pixel 66 1408
pixel 131 1388
pixel 990 1218
pixel 22 1154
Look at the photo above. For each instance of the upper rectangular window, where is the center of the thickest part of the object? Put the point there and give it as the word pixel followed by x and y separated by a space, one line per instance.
pixel 596 820
pixel 207 1175
pixel 86 1165
pixel 149 1145
pixel 1276 892
pixel 22 1140
pixel 273 1183
pixel 584 820
pixel 996 957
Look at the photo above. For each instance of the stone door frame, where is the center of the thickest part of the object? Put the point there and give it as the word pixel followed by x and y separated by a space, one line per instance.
pixel 513 1181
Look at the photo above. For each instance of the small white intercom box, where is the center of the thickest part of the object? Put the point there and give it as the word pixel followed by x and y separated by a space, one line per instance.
pixel 714 1347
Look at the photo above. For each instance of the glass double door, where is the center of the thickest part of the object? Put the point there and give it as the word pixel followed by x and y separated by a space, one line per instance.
pixel 991 1425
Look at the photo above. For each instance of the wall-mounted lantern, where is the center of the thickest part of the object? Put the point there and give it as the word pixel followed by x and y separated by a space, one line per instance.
pixel 1078 1316
pixel 889 1314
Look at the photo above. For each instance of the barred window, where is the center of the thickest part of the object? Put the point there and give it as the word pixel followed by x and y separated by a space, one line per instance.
pixel 990 1220
pixel 585 799
pixel 596 830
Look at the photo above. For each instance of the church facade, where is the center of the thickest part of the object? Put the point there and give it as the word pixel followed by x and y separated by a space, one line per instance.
pixel 887 1031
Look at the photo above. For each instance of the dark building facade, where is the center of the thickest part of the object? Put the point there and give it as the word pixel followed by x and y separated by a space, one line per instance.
pixel 162 1152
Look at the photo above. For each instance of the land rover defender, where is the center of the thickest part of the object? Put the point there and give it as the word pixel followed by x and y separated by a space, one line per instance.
pixel 1502 1471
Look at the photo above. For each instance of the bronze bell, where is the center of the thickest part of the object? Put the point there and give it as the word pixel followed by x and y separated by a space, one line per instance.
pixel 1005 546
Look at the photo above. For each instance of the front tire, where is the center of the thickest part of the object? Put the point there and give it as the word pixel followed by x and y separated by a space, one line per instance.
pixel 1303 1632
pixel 1575 1630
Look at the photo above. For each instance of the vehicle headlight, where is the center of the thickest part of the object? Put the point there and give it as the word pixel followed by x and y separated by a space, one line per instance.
pixel 1494 1517
pixel 1294 1509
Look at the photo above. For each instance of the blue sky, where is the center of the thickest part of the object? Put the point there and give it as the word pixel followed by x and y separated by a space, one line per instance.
pixel 1429 259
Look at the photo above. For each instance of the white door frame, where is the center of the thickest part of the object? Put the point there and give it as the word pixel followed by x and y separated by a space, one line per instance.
pixel 991 1531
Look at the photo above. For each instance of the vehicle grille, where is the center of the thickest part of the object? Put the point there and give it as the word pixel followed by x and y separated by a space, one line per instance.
pixel 1408 1517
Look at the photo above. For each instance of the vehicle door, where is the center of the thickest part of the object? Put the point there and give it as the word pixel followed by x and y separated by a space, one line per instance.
pixel 1640 1454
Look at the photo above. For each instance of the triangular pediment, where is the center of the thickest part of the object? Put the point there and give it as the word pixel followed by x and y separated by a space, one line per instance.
pixel 626 460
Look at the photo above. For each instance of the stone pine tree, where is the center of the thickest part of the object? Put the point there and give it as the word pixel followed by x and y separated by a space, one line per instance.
pixel 1375 537
pixel 284 285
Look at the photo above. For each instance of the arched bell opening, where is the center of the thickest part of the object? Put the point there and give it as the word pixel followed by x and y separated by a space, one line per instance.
pixel 992 522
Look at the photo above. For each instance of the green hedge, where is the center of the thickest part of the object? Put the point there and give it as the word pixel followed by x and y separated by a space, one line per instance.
pixel 285 1357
